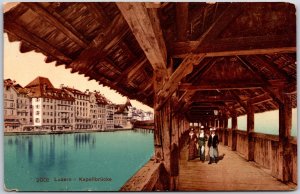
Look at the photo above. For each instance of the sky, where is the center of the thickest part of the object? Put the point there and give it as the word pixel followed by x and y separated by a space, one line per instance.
pixel 25 67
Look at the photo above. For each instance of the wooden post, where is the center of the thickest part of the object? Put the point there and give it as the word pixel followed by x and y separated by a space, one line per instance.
pixel 285 125
pixel 234 127
pixel 225 137
pixel 174 158
pixel 250 130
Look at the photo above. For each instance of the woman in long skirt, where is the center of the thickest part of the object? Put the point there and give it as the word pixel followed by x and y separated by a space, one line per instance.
pixel 201 142
pixel 192 145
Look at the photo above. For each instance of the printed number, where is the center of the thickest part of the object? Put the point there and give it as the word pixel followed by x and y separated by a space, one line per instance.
pixel 42 179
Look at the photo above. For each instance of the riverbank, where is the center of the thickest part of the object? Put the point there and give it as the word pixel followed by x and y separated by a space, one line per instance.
pixel 63 132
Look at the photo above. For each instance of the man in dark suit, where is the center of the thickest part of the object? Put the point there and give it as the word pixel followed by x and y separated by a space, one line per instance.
pixel 212 143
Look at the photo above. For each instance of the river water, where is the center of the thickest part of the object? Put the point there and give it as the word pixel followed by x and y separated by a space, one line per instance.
pixel 99 161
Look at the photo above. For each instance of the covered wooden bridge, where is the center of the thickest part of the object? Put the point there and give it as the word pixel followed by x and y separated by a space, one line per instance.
pixel 192 62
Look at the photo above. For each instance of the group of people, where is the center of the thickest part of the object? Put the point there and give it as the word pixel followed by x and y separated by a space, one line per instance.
pixel 197 141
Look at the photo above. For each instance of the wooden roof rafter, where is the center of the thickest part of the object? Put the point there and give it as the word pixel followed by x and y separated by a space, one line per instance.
pixel 59 23
pixel 239 100
pixel 111 36
pixel 145 26
pixel 192 59
pixel 238 46
pixel 267 86
pixel 182 16
pixel 11 27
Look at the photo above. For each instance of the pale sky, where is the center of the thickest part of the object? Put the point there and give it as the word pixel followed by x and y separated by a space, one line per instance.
pixel 24 67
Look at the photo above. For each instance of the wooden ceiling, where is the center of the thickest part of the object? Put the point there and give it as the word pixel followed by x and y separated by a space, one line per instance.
pixel 209 56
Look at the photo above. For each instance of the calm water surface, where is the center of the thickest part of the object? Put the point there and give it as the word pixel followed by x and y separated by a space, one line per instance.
pixel 112 155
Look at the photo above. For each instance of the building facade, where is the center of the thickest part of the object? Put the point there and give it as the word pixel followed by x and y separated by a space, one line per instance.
pixel 11 120
pixel 82 108
pixel 40 107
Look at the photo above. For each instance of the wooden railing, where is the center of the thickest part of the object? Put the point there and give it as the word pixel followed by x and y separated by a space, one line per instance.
pixel 145 179
pixel 242 143
pixel 151 177
pixel 294 169
pixel 266 150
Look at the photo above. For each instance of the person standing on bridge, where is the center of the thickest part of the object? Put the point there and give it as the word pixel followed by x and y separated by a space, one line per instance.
pixel 192 145
pixel 213 142
pixel 201 142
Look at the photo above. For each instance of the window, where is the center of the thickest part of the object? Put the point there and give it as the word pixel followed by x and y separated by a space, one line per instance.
pixel 37 120
pixel 37 113
pixel 5 96
pixel 37 99
pixel 37 106
pixel 11 96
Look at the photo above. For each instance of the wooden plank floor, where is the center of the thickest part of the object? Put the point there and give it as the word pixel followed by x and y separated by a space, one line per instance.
pixel 232 173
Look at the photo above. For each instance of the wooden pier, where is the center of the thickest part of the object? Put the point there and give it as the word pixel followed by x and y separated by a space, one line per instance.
pixel 193 62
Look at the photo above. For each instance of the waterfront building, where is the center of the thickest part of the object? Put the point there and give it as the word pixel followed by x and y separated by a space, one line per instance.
pixel 110 109
pixel 82 108
pixel 148 115
pixel 93 111
pixel 24 107
pixel 101 104
pixel 41 107
pixel 121 115
pixel 52 107
pixel 11 120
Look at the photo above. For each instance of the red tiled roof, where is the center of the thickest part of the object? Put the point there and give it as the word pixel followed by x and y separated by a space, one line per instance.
pixel 75 91
pixel 42 87
pixel 100 99
pixel 121 108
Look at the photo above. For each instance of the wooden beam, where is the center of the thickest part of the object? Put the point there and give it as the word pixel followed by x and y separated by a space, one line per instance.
pixel 144 24
pixel 267 86
pixel 260 99
pixel 220 86
pixel 184 69
pixel 262 60
pixel 111 36
pixel 239 100
pixel 238 46
pixel 213 99
pixel 250 130
pixel 182 15
pixel 70 32
pixel 17 30
pixel 230 13
pixel 130 71
pixel 98 13
pixel 285 126
pixel 291 88
pixel 192 59
pixel 153 5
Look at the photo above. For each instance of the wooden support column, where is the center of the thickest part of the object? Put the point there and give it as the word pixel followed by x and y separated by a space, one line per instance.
pixel 250 130
pixel 162 134
pixel 174 155
pixel 225 136
pixel 234 135
pixel 285 125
